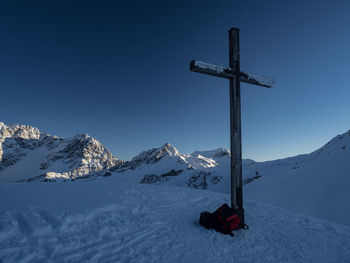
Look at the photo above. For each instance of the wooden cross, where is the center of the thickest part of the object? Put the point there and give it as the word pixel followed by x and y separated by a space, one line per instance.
pixel 235 75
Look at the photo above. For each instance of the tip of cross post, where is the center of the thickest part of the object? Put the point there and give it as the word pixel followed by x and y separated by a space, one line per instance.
pixel 233 29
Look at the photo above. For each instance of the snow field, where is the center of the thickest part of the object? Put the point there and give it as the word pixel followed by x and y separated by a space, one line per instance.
pixel 146 223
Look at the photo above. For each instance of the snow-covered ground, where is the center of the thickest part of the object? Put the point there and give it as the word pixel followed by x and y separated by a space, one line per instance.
pixel 317 184
pixel 107 221
pixel 145 210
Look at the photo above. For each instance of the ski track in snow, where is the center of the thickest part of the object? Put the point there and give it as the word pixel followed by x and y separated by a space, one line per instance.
pixel 157 224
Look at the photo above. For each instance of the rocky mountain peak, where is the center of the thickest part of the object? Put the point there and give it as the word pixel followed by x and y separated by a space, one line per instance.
pixel 152 156
pixel 213 154
pixel 79 156
pixel 18 131
pixel 169 149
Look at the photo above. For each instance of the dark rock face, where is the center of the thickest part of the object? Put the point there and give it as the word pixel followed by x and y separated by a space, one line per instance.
pixel 82 150
pixel 221 154
pixel 14 141
pixel 200 180
pixel 9 159
pixel 152 178
pixel 251 179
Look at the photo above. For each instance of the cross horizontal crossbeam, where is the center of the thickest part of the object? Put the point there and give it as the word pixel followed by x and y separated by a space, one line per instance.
pixel 223 72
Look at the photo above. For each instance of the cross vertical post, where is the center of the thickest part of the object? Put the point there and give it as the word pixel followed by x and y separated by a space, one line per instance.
pixel 235 124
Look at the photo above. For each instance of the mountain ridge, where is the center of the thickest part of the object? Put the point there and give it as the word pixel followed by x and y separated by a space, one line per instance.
pixel 27 156
pixel 53 157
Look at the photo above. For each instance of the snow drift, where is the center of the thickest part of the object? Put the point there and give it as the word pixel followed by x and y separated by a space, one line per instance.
pixel 105 221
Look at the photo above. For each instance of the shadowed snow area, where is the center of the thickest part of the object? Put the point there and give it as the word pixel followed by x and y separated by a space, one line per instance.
pixel 106 221
pixel 317 184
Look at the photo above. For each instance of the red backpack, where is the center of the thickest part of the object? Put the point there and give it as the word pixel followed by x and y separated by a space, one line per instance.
pixel 224 220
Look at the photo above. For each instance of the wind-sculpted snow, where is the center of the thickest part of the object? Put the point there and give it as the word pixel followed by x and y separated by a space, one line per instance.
pixel 101 221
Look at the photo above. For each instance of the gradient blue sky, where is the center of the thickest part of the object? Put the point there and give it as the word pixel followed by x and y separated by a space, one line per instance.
pixel 119 71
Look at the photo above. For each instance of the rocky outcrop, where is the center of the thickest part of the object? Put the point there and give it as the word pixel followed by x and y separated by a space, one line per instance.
pixel 14 139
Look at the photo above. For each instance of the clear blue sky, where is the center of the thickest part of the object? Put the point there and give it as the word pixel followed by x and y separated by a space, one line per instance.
pixel 119 71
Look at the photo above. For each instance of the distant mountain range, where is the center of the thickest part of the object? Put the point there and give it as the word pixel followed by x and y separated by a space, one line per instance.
pixel 317 183
pixel 26 154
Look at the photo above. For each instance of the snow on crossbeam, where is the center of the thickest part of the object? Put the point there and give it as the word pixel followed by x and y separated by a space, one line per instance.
pixel 210 69
pixel 223 72
pixel 256 79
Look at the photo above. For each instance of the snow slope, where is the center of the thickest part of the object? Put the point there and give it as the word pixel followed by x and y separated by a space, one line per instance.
pixel 105 221
pixel 317 184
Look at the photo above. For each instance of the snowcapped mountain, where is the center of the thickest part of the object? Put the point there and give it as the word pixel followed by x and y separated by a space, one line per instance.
pixel 213 154
pixel 28 154
pixel 166 165
pixel 166 153
pixel 316 184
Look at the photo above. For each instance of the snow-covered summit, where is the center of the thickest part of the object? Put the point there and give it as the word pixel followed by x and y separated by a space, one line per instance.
pixel 150 157
pixel 166 165
pixel 28 154
pixel 18 131
pixel 213 154
pixel 156 154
